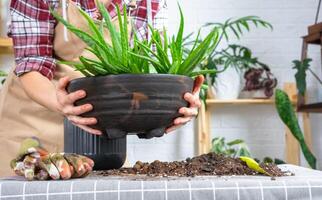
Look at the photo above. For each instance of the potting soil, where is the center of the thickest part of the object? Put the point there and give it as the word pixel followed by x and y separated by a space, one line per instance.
pixel 204 165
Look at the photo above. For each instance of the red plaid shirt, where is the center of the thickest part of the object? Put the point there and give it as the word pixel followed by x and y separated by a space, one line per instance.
pixel 32 29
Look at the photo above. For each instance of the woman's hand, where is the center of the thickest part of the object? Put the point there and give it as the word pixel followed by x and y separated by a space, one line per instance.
pixel 66 107
pixel 194 103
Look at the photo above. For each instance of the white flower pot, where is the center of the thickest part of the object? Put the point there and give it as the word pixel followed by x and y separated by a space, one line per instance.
pixel 256 94
pixel 228 84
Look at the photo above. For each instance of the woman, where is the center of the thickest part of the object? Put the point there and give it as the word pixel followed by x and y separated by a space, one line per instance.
pixel 34 100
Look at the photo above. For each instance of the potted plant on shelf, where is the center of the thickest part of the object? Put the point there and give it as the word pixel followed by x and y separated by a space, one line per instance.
pixel 232 61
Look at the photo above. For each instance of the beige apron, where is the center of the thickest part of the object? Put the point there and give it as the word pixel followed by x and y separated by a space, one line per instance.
pixel 21 117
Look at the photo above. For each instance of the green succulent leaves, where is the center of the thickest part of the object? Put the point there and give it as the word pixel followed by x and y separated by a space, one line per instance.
pixel 300 76
pixel 169 56
pixel 162 54
pixel 235 148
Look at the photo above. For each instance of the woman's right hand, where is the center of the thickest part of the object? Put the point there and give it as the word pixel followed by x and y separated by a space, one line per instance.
pixel 66 107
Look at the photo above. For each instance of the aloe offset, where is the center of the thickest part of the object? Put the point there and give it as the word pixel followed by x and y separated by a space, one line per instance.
pixel 122 57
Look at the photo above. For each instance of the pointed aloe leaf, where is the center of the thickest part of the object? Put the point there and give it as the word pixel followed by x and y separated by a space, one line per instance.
pixel 146 58
pixel 179 39
pixel 165 40
pixel 89 67
pixel 197 55
pixel 124 34
pixel 92 26
pixel 115 36
pixel 78 66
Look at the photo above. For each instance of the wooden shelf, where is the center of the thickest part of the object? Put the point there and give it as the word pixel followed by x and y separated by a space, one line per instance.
pixel 314 38
pixel 313 108
pixel 5 42
pixel 240 101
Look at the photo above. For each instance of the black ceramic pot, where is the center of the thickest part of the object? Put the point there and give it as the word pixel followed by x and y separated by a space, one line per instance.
pixel 133 104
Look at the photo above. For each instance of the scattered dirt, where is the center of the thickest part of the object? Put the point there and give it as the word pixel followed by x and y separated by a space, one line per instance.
pixel 272 169
pixel 204 165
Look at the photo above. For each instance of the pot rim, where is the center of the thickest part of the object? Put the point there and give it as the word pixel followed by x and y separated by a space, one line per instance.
pixel 131 75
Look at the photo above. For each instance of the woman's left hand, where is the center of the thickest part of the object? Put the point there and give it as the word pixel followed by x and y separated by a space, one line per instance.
pixel 194 104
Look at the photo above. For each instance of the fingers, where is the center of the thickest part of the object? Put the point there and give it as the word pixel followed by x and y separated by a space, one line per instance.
pixel 80 167
pixel 49 167
pixel 62 165
pixel 62 83
pixel 191 112
pixel 172 128
pixel 77 110
pixel 89 130
pixel 193 100
pixel 198 83
pixel 188 114
pixel 66 107
pixel 82 120
pixel 182 120
pixel 42 175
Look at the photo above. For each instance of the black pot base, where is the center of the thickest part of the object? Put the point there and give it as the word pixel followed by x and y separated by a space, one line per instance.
pixel 158 132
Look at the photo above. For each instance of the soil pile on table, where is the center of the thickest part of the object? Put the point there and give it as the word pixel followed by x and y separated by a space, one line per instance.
pixel 207 164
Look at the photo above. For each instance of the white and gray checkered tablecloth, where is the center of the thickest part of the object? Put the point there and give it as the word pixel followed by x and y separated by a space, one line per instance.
pixel 306 184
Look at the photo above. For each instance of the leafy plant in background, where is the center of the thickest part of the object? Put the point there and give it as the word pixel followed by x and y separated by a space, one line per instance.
pixel 237 56
pixel 237 148
pixel 234 55
pixel 267 159
pixel 257 76
pixel 237 27
pixel 300 76
pixel 260 78
pixel 120 57
pixel 287 115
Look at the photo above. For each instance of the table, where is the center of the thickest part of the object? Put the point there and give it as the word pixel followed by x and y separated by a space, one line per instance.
pixel 306 184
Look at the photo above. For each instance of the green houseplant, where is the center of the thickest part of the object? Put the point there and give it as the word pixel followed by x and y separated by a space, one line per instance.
pixel 134 89
pixel 287 115
pixel 231 61
pixel 237 148
pixel 121 57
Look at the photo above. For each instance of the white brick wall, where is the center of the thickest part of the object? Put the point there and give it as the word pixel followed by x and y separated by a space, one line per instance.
pixel 258 125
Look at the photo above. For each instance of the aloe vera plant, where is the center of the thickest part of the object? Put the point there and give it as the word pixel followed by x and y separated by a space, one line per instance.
pixel 182 62
pixel 114 58
pixel 120 57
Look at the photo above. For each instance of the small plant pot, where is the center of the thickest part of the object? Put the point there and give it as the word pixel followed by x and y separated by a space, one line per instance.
pixel 144 104
pixel 227 85
pixel 106 153
pixel 255 94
